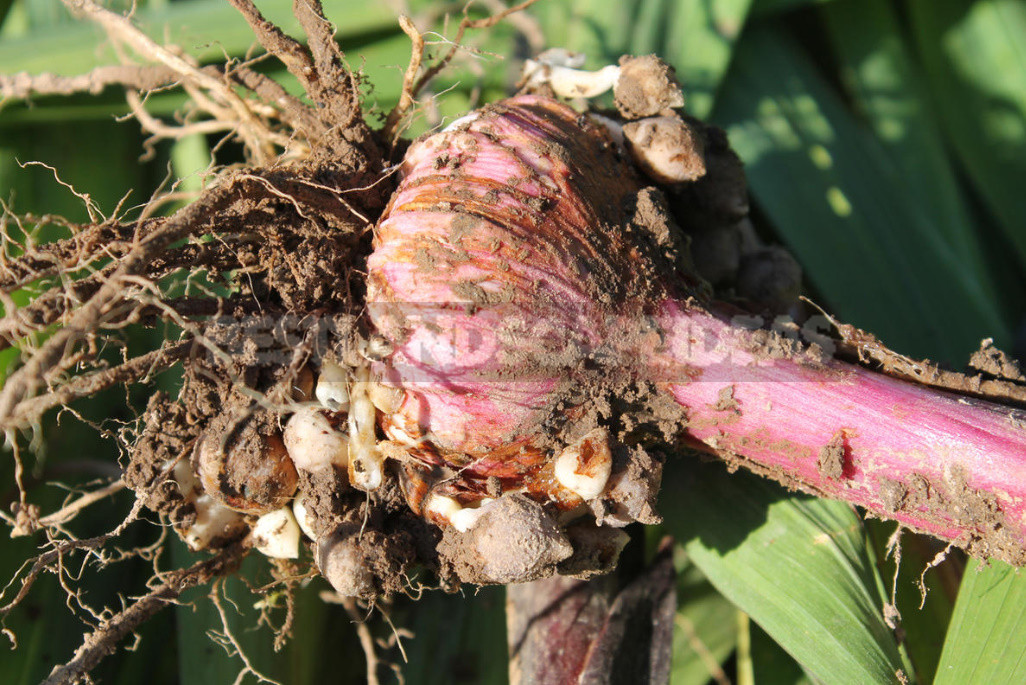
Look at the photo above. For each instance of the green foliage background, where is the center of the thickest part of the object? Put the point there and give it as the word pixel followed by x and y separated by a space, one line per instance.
pixel 885 144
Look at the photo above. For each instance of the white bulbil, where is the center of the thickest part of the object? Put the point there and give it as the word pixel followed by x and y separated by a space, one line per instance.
pixel 332 389
pixel 584 467
pixel 442 506
pixel 344 562
pixel 303 517
pixel 467 517
pixel 213 520
pixel 188 483
pixel 459 517
pixel 561 70
pixel 313 443
pixel 276 534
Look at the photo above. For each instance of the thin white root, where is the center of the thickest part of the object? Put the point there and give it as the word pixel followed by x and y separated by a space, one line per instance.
pixel 365 460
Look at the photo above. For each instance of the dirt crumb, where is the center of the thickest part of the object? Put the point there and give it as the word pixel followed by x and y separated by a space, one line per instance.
pixel 770 278
pixel 892 494
pixel 633 489
pixel 652 223
pixel 995 362
pixel 725 400
pixel 241 460
pixel 166 439
pixel 362 562
pixel 832 457
pixel 514 541
pixel 596 549
pixel 647 86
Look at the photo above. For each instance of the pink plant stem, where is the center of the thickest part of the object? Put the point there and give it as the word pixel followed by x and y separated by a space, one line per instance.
pixel 947 465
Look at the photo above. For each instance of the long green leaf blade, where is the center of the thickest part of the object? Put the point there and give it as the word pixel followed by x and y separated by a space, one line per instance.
pixel 596 28
pixel 890 92
pixel 700 43
pixel 457 639
pixel 703 631
pixel 986 642
pixel 774 666
pixel 798 566
pixel 207 30
pixel 842 205
pixel 975 55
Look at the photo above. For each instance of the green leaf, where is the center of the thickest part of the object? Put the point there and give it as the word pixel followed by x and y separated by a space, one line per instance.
pixel 380 60
pixel 704 634
pixel 383 61
pixel 190 158
pixel 798 566
pixel 206 30
pixel 303 660
pixel 5 8
pixel 457 639
pixel 843 206
pixel 38 624
pixel 987 638
pixel 975 56
pixel 764 7
pixel 890 92
pixel 73 151
pixel 47 625
pixel 774 666
pixel 201 659
pixel 699 43
pixel 599 29
pixel 649 27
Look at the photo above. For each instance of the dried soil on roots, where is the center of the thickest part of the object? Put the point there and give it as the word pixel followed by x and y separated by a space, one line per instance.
pixel 291 247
